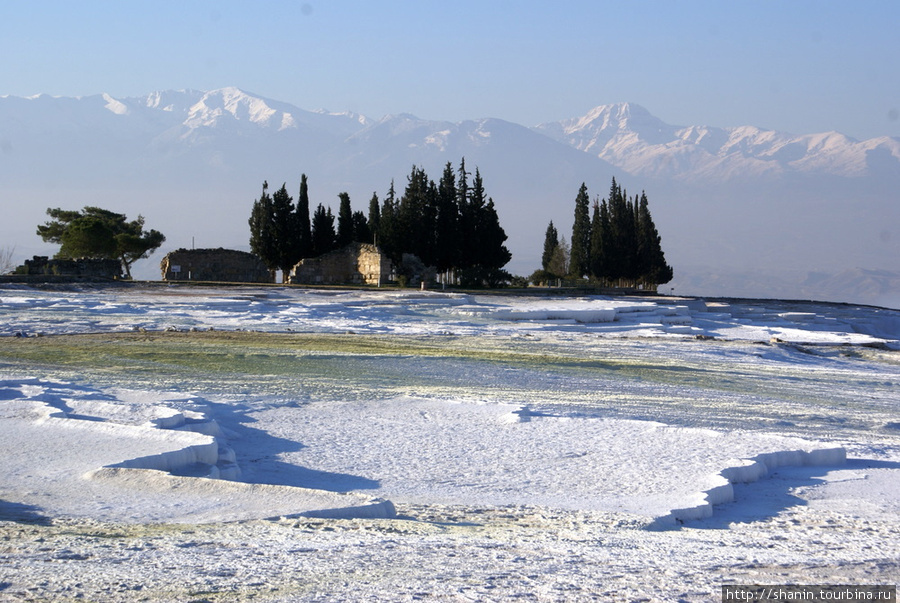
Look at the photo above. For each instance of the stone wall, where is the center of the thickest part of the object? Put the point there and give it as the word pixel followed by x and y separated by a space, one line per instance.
pixel 90 268
pixel 222 265
pixel 355 264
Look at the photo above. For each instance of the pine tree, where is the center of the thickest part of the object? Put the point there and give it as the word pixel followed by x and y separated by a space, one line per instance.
pixel 551 242
pixel 95 232
pixel 262 231
pixel 579 260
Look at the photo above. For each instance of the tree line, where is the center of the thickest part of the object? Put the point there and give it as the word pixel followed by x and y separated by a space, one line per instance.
pixel 451 225
pixel 618 244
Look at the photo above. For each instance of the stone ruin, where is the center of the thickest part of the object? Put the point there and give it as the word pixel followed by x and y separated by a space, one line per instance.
pixel 355 264
pixel 221 265
pixel 83 268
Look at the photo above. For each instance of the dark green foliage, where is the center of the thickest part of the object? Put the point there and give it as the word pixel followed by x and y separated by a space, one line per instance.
pixel 559 262
pixel 482 253
pixel 450 226
pixel 286 231
pixel 99 233
pixel 650 254
pixel 600 240
pixel 541 277
pixel 415 216
pixel 388 225
pixel 304 228
pixel 471 214
pixel 88 237
pixel 324 238
pixel 579 259
pixel 262 230
pixel 464 217
pixel 277 231
pixel 551 241
pixel 344 221
pixel 622 243
pixel 446 227
pixel 361 230
pixel 374 220
pixel 491 238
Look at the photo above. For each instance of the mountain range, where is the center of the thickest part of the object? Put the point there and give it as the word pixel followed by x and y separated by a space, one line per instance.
pixel 742 211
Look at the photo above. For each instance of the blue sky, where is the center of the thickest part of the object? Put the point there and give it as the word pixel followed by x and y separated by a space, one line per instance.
pixel 798 66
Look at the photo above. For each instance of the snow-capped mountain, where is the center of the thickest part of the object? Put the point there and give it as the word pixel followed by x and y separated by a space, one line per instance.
pixel 629 137
pixel 726 200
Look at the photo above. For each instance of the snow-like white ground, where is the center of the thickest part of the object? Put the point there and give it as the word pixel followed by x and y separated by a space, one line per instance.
pixel 542 474
pixel 29 311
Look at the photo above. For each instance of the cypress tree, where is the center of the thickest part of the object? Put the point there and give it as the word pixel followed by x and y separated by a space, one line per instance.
pixel 632 267
pixel 262 231
pixel 559 263
pixel 483 253
pixel 652 260
pixel 579 260
pixel 304 229
pixel 465 220
pixel 412 212
pixel 344 221
pixel 361 232
pixel 473 247
pixel 446 227
pixel 285 230
pixel 494 254
pixel 599 234
pixel 323 235
pixel 374 220
pixel 622 247
pixel 387 226
pixel 429 223
pixel 551 242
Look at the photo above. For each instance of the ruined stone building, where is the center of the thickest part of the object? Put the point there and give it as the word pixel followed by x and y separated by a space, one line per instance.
pixel 222 265
pixel 355 264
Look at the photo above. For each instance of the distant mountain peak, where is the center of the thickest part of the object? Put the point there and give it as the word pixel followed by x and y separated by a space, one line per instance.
pixel 617 110
pixel 115 106
pixel 617 116
pixel 352 115
pixel 232 103
pixel 630 137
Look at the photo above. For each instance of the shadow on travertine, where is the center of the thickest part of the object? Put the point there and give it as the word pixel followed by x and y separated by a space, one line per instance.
pixel 779 491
